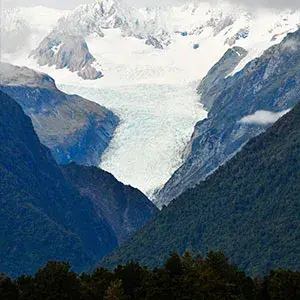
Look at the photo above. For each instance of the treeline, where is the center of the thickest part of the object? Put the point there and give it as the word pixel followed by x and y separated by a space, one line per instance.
pixel 182 277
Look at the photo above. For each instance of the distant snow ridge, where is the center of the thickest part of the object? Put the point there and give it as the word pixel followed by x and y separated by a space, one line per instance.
pixel 91 19
pixel 200 26
pixel 156 25
pixel 23 28
pixel 65 46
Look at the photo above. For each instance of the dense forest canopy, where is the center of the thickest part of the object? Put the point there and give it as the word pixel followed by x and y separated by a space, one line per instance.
pixel 181 278
pixel 248 208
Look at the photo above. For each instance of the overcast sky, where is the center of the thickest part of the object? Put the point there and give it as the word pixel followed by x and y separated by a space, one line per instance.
pixel 67 4
pixel 64 4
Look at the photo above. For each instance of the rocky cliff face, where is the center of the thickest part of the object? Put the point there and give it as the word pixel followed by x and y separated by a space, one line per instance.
pixel 64 50
pixel 212 84
pixel 125 208
pixel 74 128
pixel 242 106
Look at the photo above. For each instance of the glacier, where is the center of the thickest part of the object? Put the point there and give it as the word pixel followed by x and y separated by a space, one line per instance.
pixel 152 90
pixel 156 125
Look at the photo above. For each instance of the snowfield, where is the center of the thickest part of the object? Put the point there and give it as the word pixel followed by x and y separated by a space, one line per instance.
pixel 151 90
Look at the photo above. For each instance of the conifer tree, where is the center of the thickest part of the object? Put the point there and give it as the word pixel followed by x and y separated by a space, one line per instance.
pixel 115 291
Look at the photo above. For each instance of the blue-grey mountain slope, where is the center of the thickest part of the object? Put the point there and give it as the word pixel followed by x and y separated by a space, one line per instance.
pixel 74 128
pixel 268 84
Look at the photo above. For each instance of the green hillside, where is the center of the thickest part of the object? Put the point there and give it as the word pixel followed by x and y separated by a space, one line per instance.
pixel 249 209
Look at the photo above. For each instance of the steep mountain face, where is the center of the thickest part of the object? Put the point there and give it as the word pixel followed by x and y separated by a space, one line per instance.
pixel 67 51
pixel 95 18
pixel 211 85
pixel 249 208
pixel 125 208
pixel 42 216
pixel 74 128
pixel 242 106
pixel 65 46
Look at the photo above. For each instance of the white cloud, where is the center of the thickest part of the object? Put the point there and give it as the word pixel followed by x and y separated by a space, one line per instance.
pixel 263 117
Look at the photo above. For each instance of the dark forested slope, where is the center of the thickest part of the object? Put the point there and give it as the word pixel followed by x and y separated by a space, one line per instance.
pixel 249 208
pixel 125 208
pixel 42 216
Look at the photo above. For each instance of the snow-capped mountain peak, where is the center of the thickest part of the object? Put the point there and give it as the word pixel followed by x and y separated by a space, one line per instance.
pixel 89 19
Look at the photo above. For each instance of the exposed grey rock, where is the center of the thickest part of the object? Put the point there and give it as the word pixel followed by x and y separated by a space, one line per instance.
pixel 220 24
pixel 241 34
pixel 67 51
pixel 212 84
pixel 74 128
pixel 159 41
pixel 270 82
pixel 89 72
pixel 152 41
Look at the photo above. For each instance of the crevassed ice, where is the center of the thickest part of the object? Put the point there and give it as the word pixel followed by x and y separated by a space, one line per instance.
pixel 156 123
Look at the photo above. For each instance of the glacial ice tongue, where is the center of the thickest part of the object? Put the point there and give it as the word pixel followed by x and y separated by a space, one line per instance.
pixel 156 123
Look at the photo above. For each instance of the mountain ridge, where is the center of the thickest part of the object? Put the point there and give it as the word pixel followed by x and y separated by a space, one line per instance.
pixel 49 212
pixel 125 208
pixel 42 216
pixel 75 129
pixel 270 83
